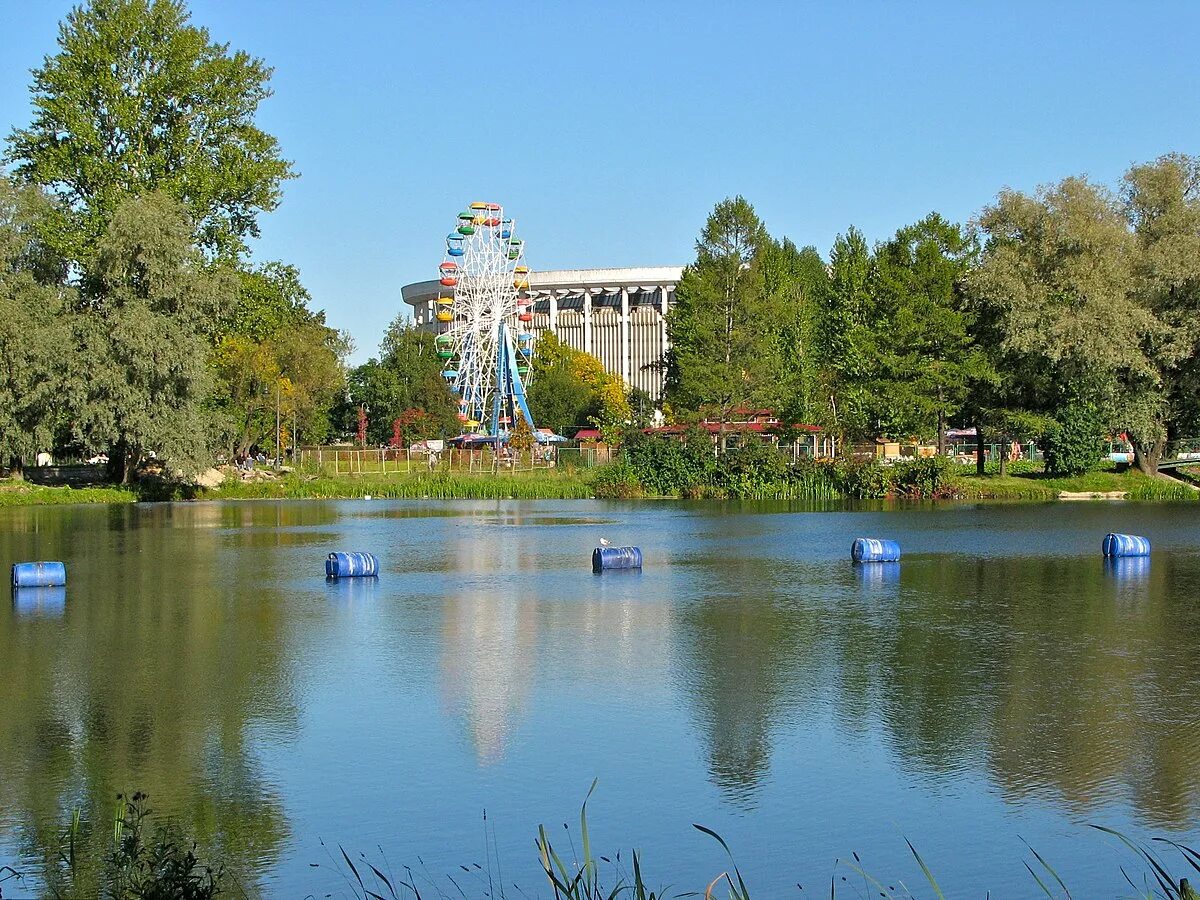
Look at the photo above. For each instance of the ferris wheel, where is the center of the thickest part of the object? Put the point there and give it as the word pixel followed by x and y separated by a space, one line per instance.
pixel 484 320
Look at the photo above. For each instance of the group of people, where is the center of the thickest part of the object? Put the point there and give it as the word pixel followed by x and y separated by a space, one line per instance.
pixel 245 461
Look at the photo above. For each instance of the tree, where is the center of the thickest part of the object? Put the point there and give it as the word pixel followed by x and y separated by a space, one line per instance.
pixel 844 333
pixel 925 357
pixel 276 356
pixel 1055 285
pixel 797 282
pixel 407 376
pixel 1162 206
pixel 724 349
pixel 137 100
pixel 559 396
pixel 138 378
pixel 32 339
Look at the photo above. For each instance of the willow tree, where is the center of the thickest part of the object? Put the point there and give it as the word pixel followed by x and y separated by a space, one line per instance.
pixel 1058 279
pixel 32 340
pixel 1162 206
pixel 138 100
pixel 138 378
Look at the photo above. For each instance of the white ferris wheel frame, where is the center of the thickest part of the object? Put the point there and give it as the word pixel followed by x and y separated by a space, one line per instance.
pixel 484 297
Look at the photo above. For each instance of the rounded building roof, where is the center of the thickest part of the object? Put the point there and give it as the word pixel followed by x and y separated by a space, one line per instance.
pixel 569 281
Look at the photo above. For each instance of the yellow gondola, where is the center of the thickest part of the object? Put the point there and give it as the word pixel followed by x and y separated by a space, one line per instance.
pixel 479 204
pixel 521 284
pixel 444 315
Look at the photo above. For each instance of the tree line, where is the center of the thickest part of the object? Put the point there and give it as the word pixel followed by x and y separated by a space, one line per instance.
pixel 133 321
pixel 1064 315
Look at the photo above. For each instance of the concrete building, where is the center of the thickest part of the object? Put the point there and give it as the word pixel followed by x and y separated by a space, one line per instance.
pixel 617 315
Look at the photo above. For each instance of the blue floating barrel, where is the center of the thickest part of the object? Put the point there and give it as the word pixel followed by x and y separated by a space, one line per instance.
pixel 874 550
pixel 1126 545
pixel 616 558
pixel 351 565
pixel 39 574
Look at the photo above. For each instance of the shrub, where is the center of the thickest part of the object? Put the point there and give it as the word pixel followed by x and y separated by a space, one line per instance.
pixel 922 478
pixel 616 481
pixel 754 470
pixel 1074 443
pixel 860 480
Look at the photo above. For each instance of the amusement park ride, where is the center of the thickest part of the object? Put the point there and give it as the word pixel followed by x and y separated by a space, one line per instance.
pixel 484 319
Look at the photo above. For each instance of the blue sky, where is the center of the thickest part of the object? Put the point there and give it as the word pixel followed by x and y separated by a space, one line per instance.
pixel 610 129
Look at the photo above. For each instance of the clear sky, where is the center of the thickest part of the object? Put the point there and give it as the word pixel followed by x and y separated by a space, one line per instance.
pixel 610 129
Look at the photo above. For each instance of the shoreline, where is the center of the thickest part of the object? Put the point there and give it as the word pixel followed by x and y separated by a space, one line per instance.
pixel 1126 486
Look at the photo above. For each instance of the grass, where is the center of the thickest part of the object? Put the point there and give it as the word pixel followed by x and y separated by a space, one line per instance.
pixel 1038 486
pixel 580 874
pixel 142 858
pixel 439 486
pixel 22 493
pixel 571 484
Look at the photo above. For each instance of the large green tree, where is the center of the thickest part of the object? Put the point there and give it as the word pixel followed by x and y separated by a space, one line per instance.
pixel 796 282
pixel 33 341
pixel 1162 205
pixel 725 350
pixel 1057 283
pixel 138 376
pixel 926 359
pixel 845 334
pixel 277 359
pixel 560 395
pixel 138 100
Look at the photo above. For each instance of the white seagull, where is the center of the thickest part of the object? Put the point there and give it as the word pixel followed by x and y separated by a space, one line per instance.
pixel 605 542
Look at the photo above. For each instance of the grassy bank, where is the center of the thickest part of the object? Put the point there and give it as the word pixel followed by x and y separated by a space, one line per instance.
pixel 1038 486
pixel 620 480
pixel 21 493
pixel 536 485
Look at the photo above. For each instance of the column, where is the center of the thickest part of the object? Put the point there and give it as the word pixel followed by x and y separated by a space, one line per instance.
pixel 553 313
pixel 587 322
pixel 665 343
pixel 625 335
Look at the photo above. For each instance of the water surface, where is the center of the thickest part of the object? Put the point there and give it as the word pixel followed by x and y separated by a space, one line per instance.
pixel 1002 683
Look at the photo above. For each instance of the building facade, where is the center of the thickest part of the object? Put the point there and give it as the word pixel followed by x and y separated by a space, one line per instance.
pixel 617 315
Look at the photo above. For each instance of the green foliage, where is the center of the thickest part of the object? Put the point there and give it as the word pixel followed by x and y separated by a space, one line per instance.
pixel 922 343
pixel 617 480
pixel 724 350
pixel 138 378
pixel 667 466
pixel 138 101
pixel 862 480
pixel 570 388
pixel 277 354
pixel 407 376
pixel 32 334
pixel 922 478
pixel 146 860
pixel 1074 444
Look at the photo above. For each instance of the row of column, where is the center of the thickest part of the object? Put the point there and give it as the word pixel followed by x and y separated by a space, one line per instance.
pixel 626 374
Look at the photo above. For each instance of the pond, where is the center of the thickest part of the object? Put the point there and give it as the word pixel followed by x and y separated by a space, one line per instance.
pixel 1001 685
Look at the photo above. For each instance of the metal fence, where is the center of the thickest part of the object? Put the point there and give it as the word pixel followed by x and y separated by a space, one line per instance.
pixel 339 461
